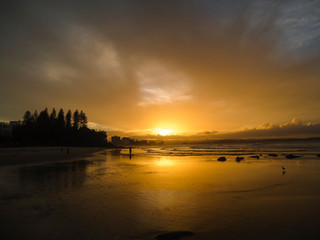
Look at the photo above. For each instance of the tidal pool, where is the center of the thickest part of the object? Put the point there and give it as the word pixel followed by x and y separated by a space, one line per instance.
pixel 160 190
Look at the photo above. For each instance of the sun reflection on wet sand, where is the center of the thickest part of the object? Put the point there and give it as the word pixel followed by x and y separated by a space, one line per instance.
pixel 165 162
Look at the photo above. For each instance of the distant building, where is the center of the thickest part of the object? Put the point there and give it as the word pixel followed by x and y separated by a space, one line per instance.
pixel 6 128
pixel 15 123
pixel 143 142
pixel 127 141
pixel 116 140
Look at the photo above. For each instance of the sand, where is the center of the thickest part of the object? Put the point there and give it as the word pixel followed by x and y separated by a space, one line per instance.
pixel 31 155
pixel 159 193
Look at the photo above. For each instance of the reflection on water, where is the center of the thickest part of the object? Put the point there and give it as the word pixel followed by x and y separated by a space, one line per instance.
pixel 165 161
pixel 54 175
pixel 159 190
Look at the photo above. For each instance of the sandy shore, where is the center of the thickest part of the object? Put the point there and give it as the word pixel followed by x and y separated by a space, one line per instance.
pixel 28 155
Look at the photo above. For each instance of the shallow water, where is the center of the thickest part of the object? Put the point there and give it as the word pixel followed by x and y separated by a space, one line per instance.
pixel 164 189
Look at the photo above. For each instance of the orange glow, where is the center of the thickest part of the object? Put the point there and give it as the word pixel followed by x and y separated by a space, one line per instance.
pixel 163 132
pixel 165 162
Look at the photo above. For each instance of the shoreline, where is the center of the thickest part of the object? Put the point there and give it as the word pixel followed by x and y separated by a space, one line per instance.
pixel 32 155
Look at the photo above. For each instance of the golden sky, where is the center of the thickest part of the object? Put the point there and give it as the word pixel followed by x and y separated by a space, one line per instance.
pixel 190 66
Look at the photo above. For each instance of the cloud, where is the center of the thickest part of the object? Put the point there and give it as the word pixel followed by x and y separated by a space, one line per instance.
pixel 295 128
pixel 159 85
pixel 208 133
pixel 140 64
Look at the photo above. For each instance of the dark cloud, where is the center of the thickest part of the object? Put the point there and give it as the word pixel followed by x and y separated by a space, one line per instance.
pixel 295 128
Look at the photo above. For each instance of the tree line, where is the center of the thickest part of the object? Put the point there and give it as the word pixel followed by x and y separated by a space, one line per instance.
pixel 57 129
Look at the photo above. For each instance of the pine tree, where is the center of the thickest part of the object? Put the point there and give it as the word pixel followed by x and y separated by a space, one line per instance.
pixel 68 119
pixel 53 116
pixel 43 118
pixel 83 120
pixel 27 118
pixel 35 114
pixel 39 129
pixel 76 119
pixel 43 127
pixel 60 119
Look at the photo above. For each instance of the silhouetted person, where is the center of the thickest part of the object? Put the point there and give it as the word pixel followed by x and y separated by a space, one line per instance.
pixel 130 152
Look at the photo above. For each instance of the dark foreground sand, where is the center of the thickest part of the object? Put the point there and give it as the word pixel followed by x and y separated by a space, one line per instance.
pixel 28 155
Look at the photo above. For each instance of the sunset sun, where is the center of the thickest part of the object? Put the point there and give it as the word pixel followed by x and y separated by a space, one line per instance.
pixel 163 132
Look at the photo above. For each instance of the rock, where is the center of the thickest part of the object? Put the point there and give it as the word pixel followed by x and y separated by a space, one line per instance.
pixel 292 156
pixel 174 235
pixel 238 159
pixel 256 156
pixel 273 155
pixel 222 159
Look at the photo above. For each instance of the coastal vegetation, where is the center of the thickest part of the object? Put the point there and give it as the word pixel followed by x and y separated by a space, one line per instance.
pixel 57 129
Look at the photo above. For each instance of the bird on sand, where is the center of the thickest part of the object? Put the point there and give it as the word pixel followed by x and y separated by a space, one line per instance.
pixel 283 168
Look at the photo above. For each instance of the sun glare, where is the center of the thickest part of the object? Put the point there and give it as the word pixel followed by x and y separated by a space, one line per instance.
pixel 163 132
pixel 165 162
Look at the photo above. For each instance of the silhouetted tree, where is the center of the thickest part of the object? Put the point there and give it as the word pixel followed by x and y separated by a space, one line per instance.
pixel 83 120
pixel 43 118
pixel 76 119
pixel 26 132
pixel 55 130
pixel 35 114
pixel 43 126
pixel 53 116
pixel 68 119
pixel 60 119
pixel 27 118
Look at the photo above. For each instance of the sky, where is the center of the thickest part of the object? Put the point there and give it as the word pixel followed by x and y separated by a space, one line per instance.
pixel 248 68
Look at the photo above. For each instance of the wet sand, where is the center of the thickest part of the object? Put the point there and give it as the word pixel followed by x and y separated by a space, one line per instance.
pixel 159 194
pixel 32 155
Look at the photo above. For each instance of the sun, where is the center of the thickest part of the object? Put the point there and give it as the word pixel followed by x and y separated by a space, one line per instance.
pixel 163 132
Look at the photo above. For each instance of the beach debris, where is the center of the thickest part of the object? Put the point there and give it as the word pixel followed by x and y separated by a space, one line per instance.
pixel 292 156
pixel 238 159
pixel 174 235
pixel 222 159
pixel 255 156
pixel 284 172
pixel 273 155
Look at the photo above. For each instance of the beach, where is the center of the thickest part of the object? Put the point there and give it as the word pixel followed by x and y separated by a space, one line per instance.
pixel 106 194
pixel 33 155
